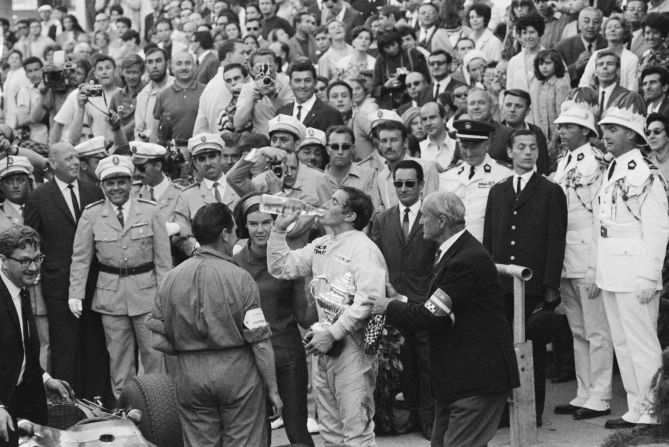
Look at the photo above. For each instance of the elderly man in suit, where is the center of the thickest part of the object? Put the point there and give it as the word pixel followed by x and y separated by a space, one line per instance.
pixel 307 108
pixel 464 316
pixel 127 237
pixel 22 381
pixel 409 257
pixel 53 210
pixel 526 224
pixel 574 51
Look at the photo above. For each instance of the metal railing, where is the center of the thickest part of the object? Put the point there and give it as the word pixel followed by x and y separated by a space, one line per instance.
pixel 522 411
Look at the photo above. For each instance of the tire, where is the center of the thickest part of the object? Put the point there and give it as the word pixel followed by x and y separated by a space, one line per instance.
pixel 155 395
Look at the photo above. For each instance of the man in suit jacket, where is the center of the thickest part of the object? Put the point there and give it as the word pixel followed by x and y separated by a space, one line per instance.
pixel 409 258
pixel 469 336
pixel 307 108
pixel 344 12
pixel 206 58
pixel 22 381
pixel 53 210
pixel 573 50
pixel 607 79
pixel 439 63
pixel 654 82
pixel 526 224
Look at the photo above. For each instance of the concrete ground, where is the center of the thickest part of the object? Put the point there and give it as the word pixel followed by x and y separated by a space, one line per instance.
pixel 557 430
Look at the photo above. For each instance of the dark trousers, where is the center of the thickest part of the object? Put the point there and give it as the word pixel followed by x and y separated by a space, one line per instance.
pixel 468 422
pixel 540 332
pixel 292 380
pixel 79 351
pixel 416 382
pixel 28 403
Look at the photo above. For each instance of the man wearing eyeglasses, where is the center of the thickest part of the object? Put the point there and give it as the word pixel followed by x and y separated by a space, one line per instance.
pixel 415 83
pixel 439 63
pixel 472 178
pixel 409 257
pixel 342 171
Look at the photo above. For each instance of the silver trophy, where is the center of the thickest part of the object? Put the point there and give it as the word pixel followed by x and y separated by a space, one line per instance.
pixel 333 298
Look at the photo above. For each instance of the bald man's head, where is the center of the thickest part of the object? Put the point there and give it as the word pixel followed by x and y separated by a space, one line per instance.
pixel 183 67
pixel 64 162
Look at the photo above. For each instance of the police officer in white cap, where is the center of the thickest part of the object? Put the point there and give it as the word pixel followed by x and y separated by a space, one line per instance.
pixel 206 150
pixel 90 153
pixel 633 232
pixel 128 237
pixel 580 173
pixel 390 135
pixel 311 150
pixel 472 178
pixel 285 132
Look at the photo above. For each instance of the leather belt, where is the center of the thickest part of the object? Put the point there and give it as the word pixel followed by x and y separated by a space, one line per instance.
pixel 126 271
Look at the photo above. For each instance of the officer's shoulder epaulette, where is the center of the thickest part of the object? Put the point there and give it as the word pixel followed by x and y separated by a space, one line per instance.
pixel 178 187
pixel 194 185
pixel 143 200
pixel 91 205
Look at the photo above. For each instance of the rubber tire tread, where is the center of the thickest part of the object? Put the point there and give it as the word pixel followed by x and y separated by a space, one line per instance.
pixel 155 395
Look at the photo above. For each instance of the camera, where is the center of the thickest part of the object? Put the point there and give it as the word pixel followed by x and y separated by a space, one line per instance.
pixel 57 78
pixel 401 75
pixel 277 169
pixel 263 72
pixel 92 90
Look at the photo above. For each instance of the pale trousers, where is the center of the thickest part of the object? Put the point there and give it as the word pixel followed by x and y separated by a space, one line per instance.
pixel 634 334
pixel 123 333
pixel 344 391
pixel 593 348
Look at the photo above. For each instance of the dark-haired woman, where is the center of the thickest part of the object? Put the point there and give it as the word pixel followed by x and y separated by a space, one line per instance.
pixel 655 32
pixel 284 305
pixel 479 18
pixel 391 67
pixel 548 90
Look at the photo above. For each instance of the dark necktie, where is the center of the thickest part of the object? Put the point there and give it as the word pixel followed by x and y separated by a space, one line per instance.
pixel 152 196
pixel 611 169
pixel 472 171
pixel 26 309
pixel 299 113
pixel 217 195
pixel 601 101
pixel 75 203
pixel 568 159
pixel 436 91
pixel 437 255
pixel 518 186
pixel 405 224
pixel 119 215
pixel 590 48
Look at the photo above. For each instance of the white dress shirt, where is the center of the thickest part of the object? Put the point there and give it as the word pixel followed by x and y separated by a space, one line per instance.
pixel 524 178
pixel 607 95
pixel 222 184
pixel 448 243
pixel 66 194
pixel 440 152
pixel 413 213
pixel 306 107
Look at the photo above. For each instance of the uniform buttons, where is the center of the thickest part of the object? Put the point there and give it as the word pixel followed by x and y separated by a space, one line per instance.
pixel 513 227
pixel 513 242
pixel 513 258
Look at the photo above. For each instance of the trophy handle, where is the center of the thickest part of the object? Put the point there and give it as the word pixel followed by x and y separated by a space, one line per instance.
pixel 314 281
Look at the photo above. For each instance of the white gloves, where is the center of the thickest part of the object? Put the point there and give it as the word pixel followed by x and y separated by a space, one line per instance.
pixel 75 307
pixel 645 290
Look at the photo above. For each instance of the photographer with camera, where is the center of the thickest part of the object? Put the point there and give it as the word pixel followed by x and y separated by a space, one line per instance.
pixel 93 101
pixel 29 110
pixel 60 97
pixel 259 101
pixel 392 66
pixel 124 101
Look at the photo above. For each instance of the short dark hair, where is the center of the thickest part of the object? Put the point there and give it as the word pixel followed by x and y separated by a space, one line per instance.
pixel 405 30
pixel 391 125
pixel 131 34
pixel 126 21
pixel 518 93
pixel 233 65
pixel 298 17
pixel 117 8
pixel 32 60
pixel 339 129
pixel 534 20
pixel 658 117
pixel 340 83
pixel 261 52
pixel 150 49
pixel 103 58
pixel 607 53
pixel 300 65
pixel 168 22
pixel 482 10
pixel 520 133
pixel 355 32
pixel 227 47
pixel 553 56
pixel 241 211
pixel 17 237
pixel 321 30
pixel 359 203
pixel 410 164
pixel 653 69
pixel 393 10
pixel 210 221
pixel 659 22
pixel 440 52
pixel 253 140
pixel 387 38
pixel 204 38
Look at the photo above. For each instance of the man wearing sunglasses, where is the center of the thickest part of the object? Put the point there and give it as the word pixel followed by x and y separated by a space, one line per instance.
pixel 415 84
pixel 90 153
pixel 472 178
pixel 409 256
pixel 439 63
